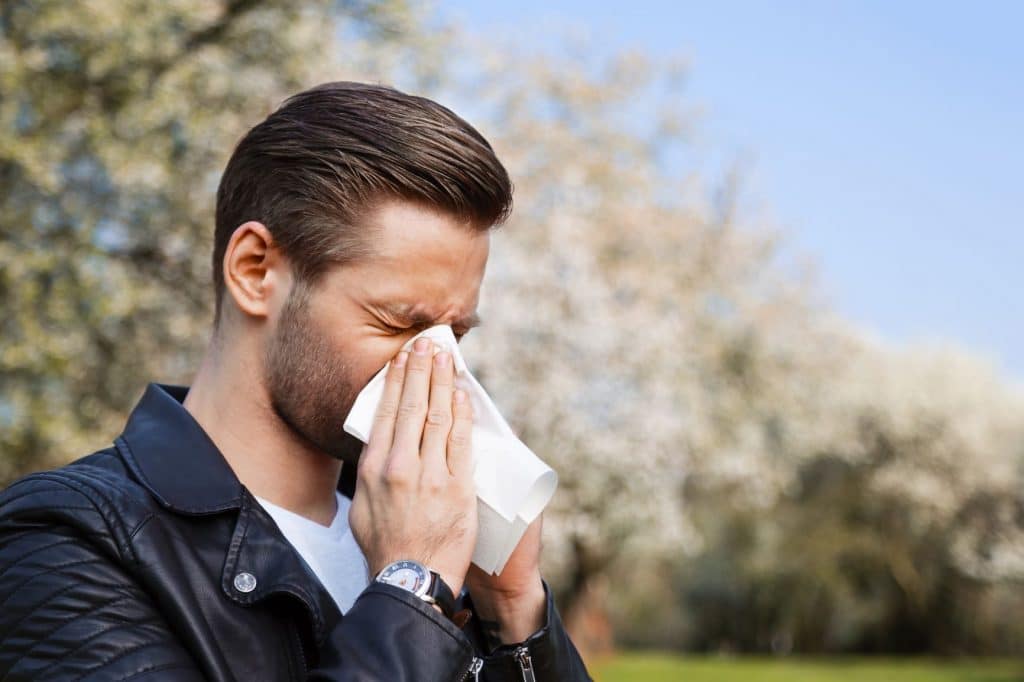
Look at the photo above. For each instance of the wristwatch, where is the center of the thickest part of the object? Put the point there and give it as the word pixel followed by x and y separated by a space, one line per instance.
pixel 421 581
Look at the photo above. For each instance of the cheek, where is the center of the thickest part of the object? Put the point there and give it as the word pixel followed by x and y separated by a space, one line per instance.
pixel 372 353
pixel 361 349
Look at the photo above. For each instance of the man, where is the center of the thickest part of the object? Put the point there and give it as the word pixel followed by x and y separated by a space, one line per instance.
pixel 234 530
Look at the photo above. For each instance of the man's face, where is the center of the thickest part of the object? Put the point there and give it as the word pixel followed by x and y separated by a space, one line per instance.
pixel 328 342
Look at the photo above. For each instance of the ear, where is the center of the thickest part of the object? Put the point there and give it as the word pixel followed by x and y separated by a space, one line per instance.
pixel 255 273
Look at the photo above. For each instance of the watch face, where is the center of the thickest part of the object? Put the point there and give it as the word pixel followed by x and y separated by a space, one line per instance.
pixel 408 575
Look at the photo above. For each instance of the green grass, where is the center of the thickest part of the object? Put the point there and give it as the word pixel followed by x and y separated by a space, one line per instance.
pixel 666 668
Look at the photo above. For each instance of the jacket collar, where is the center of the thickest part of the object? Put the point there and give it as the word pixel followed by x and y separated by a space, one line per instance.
pixel 168 451
pixel 175 459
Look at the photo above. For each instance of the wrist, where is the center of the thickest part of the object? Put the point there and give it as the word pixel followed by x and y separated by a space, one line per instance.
pixel 511 616
pixel 504 589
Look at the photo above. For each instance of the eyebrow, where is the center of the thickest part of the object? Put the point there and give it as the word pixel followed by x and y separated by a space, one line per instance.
pixel 402 313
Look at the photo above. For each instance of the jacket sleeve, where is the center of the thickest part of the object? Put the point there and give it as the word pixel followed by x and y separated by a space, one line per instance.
pixel 390 634
pixel 69 611
pixel 548 654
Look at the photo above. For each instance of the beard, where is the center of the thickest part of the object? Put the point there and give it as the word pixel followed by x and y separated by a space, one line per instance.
pixel 311 388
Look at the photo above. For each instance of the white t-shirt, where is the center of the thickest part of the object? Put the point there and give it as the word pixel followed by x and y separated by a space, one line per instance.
pixel 330 551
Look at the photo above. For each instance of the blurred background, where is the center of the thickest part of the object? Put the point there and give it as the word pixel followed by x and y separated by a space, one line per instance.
pixel 758 303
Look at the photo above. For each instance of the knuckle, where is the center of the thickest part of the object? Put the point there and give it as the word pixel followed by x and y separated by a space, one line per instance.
pixel 437 417
pixel 458 440
pixel 366 466
pixel 396 477
pixel 387 409
pixel 417 366
pixel 369 460
pixel 410 408
pixel 433 484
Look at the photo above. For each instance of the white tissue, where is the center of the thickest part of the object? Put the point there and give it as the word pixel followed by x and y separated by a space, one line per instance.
pixel 513 485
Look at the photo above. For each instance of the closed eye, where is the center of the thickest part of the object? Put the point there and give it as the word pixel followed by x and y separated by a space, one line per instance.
pixel 391 329
pixel 397 330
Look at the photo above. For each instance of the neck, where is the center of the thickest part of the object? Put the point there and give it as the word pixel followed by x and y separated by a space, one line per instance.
pixel 229 400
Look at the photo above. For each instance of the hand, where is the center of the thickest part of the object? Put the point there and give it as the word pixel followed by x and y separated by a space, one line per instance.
pixel 514 599
pixel 414 495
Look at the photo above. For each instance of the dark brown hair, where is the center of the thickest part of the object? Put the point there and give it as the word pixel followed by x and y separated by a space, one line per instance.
pixel 330 154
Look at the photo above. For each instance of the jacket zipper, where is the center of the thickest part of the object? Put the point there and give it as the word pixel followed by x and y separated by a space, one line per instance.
pixel 525 664
pixel 474 670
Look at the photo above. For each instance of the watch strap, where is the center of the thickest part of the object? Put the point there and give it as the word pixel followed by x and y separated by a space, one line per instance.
pixel 441 594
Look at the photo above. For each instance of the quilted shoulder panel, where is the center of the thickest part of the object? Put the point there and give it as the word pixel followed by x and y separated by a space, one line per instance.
pixel 69 607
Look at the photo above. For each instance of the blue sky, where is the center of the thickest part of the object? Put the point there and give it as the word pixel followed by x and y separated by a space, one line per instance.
pixel 886 138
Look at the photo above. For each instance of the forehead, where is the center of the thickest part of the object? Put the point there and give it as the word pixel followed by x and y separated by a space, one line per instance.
pixel 424 263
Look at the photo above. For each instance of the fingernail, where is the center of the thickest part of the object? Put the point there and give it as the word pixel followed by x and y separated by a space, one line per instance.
pixel 401 358
pixel 460 396
pixel 441 359
pixel 422 345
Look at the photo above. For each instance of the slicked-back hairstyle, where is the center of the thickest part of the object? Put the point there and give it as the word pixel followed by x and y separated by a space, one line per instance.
pixel 327 156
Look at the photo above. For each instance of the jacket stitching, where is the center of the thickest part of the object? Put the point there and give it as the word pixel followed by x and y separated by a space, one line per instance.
pixel 118 623
pixel 23 557
pixel 14 498
pixel 9 538
pixel 121 655
pixel 14 590
pixel 234 549
pixel 89 481
pixel 42 603
pixel 106 517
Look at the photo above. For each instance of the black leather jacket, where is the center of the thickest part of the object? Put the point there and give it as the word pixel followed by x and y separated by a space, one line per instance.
pixel 124 565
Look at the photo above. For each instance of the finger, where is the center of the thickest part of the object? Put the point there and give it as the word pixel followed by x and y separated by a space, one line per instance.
pixel 460 455
pixel 433 450
pixel 383 431
pixel 412 406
